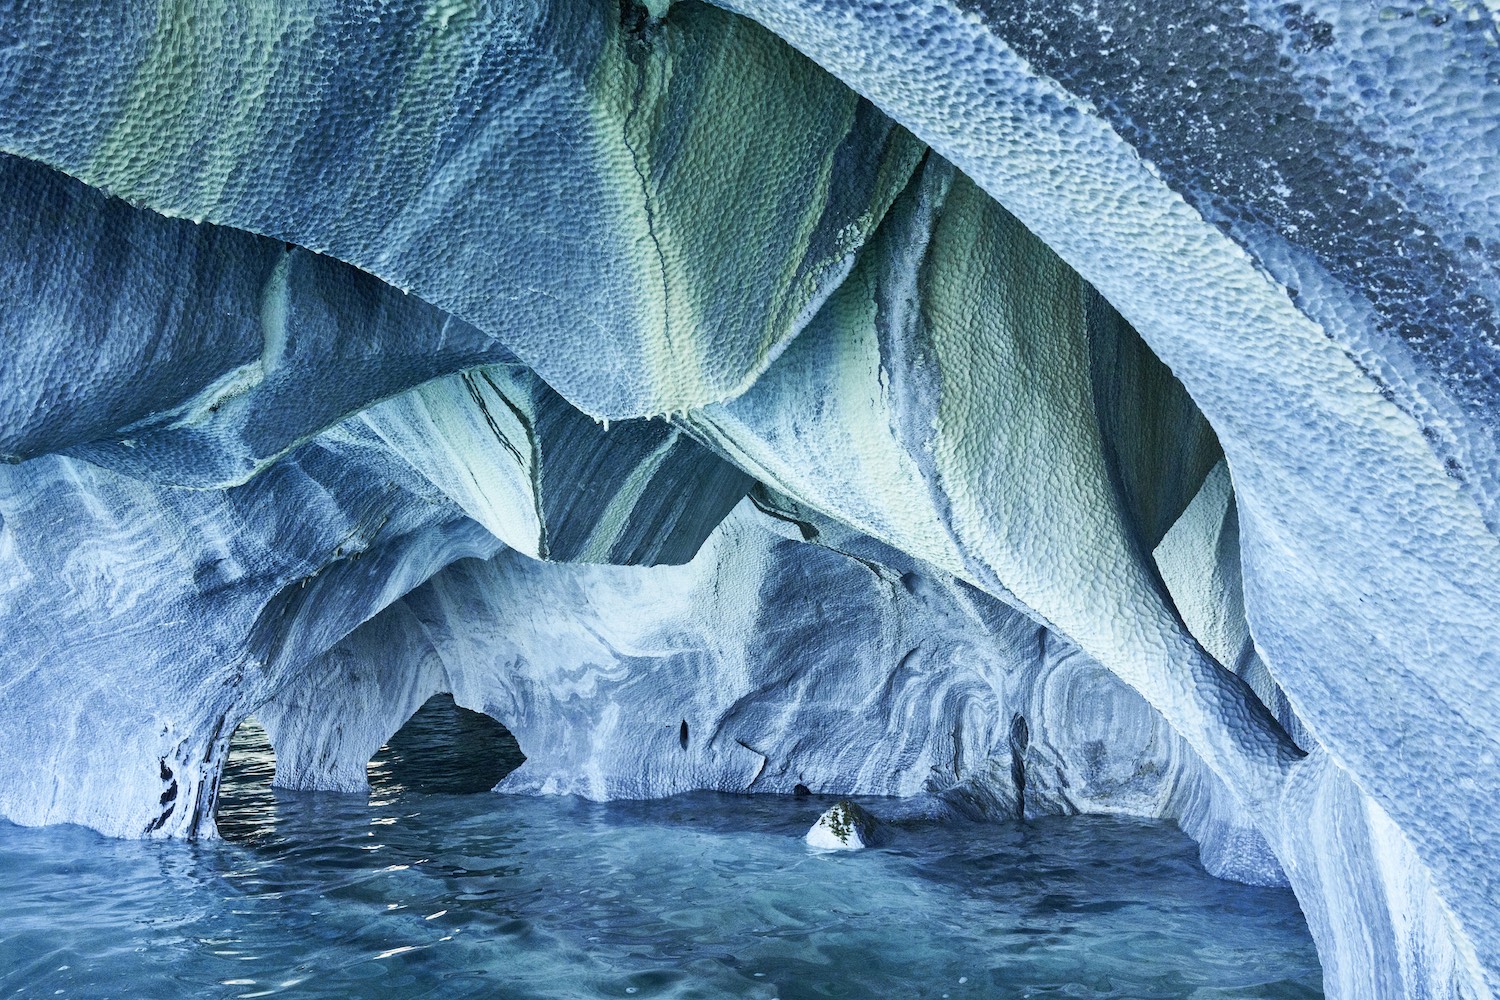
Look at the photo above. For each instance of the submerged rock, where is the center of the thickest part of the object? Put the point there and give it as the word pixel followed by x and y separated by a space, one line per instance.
pixel 843 827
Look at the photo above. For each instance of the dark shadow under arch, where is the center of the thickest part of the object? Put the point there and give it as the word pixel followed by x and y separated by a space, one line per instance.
pixel 246 807
pixel 444 749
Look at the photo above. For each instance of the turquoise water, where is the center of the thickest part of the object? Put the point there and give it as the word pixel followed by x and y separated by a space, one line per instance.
pixel 418 892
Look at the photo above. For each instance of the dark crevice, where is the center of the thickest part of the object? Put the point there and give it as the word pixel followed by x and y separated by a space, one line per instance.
pixel 535 470
pixel 168 797
pixel 808 529
pixel 489 418
pixel 810 533
pixel 213 741
pixel 1020 739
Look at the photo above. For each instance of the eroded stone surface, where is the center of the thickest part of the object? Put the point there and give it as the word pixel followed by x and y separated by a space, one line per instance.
pixel 305 459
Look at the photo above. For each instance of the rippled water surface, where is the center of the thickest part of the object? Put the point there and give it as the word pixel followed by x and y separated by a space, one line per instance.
pixel 418 892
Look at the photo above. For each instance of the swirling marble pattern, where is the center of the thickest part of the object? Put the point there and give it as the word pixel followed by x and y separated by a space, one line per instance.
pixel 1140 403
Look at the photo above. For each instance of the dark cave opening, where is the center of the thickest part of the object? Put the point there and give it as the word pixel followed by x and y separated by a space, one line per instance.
pixel 445 749
pixel 246 807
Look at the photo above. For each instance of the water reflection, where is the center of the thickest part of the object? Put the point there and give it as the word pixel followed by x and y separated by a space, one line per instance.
pixel 442 749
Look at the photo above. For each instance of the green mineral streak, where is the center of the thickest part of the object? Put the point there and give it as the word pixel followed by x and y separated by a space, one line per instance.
pixel 888 475
pixel 1018 448
pixel 194 104
pixel 206 97
pixel 615 518
pixel 720 140
pixel 628 77
pixel 894 173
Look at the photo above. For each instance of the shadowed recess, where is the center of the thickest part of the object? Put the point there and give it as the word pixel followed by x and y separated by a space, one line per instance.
pixel 445 749
pixel 442 749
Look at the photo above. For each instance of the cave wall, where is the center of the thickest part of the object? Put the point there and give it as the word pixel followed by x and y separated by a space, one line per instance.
pixel 1165 335
pixel 764 664
pixel 1334 321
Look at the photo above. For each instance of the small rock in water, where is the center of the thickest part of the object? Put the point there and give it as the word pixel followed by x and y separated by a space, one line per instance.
pixel 844 827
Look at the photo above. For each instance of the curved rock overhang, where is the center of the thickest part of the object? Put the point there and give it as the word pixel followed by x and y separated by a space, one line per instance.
pixel 947 355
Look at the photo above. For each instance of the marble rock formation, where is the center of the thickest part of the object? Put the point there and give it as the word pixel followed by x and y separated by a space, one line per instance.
pixel 844 827
pixel 1011 406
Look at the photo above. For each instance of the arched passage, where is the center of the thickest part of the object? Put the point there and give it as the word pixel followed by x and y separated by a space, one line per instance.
pixel 444 749
pixel 246 804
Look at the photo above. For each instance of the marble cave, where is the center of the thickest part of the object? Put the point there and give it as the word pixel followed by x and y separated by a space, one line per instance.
pixel 1054 443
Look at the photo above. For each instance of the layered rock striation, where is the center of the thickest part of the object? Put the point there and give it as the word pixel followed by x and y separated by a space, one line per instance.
pixel 1006 406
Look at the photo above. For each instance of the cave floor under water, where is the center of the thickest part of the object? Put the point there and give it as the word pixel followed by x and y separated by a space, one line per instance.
pixel 415 894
